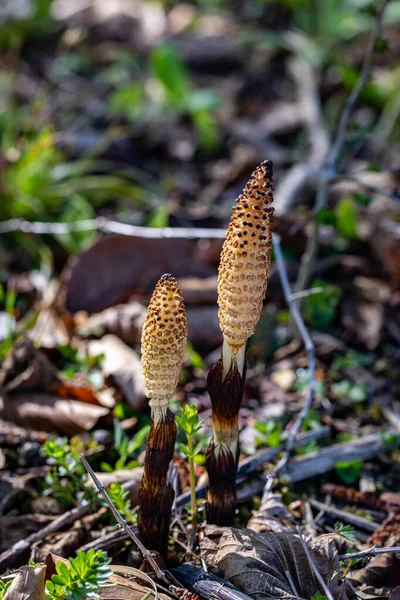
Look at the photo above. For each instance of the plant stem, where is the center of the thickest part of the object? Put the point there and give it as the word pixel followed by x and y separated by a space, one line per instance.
pixel 192 485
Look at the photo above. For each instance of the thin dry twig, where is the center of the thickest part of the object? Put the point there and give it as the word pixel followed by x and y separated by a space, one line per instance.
pixel 370 552
pixel 345 516
pixel 314 566
pixel 109 226
pixel 310 349
pixel 121 521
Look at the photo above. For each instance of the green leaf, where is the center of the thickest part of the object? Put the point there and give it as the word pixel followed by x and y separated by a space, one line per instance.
pixel 346 531
pixel 346 218
pixel 171 72
pixel 127 101
pixel 349 471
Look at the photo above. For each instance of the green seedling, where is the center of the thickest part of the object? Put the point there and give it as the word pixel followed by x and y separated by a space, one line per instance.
pixel 190 424
pixel 356 392
pixel 82 578
pixel 346 531
pixel 119 496
pixel 269 434
pixel 82 363
pixel 351 359
pixel 4 585
pixel 67 481
pixel 126 447
pixel 320 309
pixel 349 471
pixel 7 301
pixel 318 596
pixel 67 478
pixel 173 76
pixel 346 218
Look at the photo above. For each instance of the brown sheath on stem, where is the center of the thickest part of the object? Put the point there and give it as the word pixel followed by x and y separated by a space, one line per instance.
pixel 163 341
pixel 242 283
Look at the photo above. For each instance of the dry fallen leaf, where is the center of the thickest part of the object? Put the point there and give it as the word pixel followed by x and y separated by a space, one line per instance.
pixel 363 311
pixel 28 584
pixel 270 565
pixel 123 365
pixel 124 321
pixel 48 412
pixel 26 368
pixel 118 266
pixel 272 515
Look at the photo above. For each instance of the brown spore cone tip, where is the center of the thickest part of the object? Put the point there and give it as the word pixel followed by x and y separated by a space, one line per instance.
pixel 164 337
pixel 244 265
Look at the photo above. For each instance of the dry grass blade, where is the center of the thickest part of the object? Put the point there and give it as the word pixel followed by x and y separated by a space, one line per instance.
pixel 131 571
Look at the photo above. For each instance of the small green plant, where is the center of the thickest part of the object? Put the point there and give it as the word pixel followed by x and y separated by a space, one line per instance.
pixel 8 300
pixel 119 496
pixel 318 596
pixel 67 481
pixel 4 585
pixel 82 578
pixel 190 424
pixel 269 434
pixel 125 447
pixel 346 531
pixel 172 74
pixel 349 471
pixel 67 478
pixel 320 309
pixel 356 392
pixel 351 359
pixel 78 362
pixel 346 218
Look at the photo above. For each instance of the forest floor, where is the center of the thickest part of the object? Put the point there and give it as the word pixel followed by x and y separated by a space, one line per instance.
pixel 125 140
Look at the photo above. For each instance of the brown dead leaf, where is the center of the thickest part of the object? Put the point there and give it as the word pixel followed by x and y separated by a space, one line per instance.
pixel 395 595
pixel 363 311
pixel 123 365
pixel 28 584
pixel 381 571
pixel 118 266
pixel 199 291
pixel 20 527
pixel 272 515
pixel 125 321
pixel 26 368
pixel 381 228
pixel 258 563
pixel 48 412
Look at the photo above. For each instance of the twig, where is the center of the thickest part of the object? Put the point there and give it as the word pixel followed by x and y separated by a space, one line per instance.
pixel 328 169
pixel 345 516
pixel 310 349
pixel 348 109
pixel 373 189
pixel 370 552
pixel 121 521
pixel 314 566
pixel 65 520
pixel 290 580
pixel 326 459
pixel 110 226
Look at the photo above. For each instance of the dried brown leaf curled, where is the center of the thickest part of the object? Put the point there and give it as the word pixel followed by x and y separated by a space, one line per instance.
pixel 48 412
pixel 28 584
pixel 271 565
